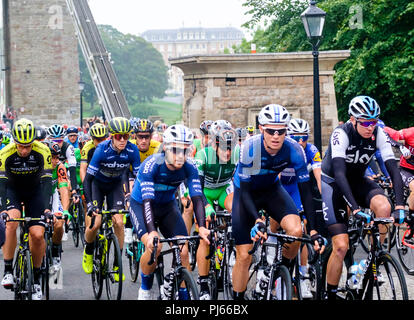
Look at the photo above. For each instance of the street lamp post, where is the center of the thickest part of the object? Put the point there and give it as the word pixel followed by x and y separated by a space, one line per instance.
pixel 81 88
pixel 313 20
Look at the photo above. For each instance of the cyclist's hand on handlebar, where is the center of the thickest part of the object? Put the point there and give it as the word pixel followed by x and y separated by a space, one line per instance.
pixel 210 213
pixel 362 216
pixel 4 215
pixel 399 215
pixel 204 234
pixel 319 241
pixel 92 210
pixel 149 245
pixel 258 231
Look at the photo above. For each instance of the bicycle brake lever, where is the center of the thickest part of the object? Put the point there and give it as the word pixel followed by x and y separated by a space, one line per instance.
pixel 152 258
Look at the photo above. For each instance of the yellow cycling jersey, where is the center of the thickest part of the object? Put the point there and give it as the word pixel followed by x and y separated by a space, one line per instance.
pixel 25 172
pixel 87 151
pixel 153 148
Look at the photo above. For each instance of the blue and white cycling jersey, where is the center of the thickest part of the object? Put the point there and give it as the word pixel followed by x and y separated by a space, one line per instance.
pixel 75 145
pixel 108 165
pixel 313 161
pixel 261 169
pixel 158 183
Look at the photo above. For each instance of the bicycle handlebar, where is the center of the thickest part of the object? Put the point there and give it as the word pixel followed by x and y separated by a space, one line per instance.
pixel 284 237
pixel 108 212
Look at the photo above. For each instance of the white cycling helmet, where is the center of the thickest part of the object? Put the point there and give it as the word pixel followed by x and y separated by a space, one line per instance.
pixel 298 126
pixel 178 133
pixel 274 114
pixel 364 107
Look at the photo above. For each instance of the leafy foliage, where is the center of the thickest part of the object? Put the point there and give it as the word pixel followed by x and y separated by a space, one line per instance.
pixel 380 35
pixel 140 69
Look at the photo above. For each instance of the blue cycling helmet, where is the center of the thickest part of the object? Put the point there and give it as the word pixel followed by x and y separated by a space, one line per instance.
pixel 72 130
pixel 364 107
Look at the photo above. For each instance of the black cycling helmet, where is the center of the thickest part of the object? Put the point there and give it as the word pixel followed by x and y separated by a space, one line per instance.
pixel 40 133
pixel 241 133
pixel 205 126
pixel 143 125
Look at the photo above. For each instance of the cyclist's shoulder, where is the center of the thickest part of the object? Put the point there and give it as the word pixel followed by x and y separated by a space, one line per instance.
pixel 87 147
pixel 7 151
pixel 154 144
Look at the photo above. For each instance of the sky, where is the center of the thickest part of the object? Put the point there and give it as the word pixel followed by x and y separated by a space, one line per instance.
pixel 137 16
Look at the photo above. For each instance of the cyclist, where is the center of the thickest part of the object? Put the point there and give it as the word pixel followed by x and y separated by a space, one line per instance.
pixel 250 130
pixel 257 186
pixel 104 179
pixel 25 177
pixel 199 144
pixel 56 133
pixel 352 145
pixel 299 130
pixel 153 200
pixel 147 146
pixel 60 202
pixel 404 140
pixel 72 136
pixel 6 139
pixel 40 133
pixel 216 165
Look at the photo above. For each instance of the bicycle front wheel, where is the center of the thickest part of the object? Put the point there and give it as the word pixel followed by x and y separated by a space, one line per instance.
pixel 405 248
pixel 228 264
pixel 97 275
pixel 390 283
pixel 24 277
pixel 113 270
pixel 280 284
pixel 184 287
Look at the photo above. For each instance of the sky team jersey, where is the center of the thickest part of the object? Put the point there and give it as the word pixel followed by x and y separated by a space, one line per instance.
pixel 108 165
pixel 261 169
pixel 156 182
pixel 313 161
pixel 408 136
pixel 153 148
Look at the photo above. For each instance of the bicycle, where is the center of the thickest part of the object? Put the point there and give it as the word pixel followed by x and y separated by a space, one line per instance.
pixel 78 223
pixel 23 268
pixel 47 261
pixel 107 259
pixel 405 244
pixel 373 285
pixel 134 252
pixel 179 277
pixel 222 255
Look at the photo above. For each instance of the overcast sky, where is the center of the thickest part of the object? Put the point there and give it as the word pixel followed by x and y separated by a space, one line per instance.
pixel 137 16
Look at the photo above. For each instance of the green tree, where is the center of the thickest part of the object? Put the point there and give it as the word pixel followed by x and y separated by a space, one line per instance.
pixel 381 44
pixel 140 68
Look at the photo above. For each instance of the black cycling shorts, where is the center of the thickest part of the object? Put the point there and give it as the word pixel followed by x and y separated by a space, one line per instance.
pixel 276 201
pixel 407 176
pixel 32 202
pixel 114 193
pixel 167 217
pixel 335 206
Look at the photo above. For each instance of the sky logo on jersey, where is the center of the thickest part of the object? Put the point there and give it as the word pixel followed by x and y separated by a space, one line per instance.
pixel 357 158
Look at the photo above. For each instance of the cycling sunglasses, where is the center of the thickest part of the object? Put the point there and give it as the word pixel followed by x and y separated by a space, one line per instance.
pixel 57 140
pixel 178 151
pixel 100 139
pixel 273 131
pixel 367 124
pixel 120 136
pixel 297 138
pixel 142 137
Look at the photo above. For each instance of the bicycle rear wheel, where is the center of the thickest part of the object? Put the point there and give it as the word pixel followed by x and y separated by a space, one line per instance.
pixel 405 248
pixel 113 270
pixel 134 253
pixel 46 263
pixel 185 282
pixel 280 284
pixel 390 283
pixel 97 276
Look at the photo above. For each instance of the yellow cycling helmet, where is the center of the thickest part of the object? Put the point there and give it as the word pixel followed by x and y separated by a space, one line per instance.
pixel 98 130
pixel 250 129
pixel 119 125
pixel 24 132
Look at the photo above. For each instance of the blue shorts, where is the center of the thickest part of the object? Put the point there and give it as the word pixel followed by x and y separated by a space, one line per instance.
pixel 275 200
pixel 167 218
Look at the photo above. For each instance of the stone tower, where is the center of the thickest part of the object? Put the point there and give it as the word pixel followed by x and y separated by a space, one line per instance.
pixel 42 65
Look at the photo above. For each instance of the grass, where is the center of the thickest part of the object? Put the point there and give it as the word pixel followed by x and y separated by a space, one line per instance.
pixel 168 111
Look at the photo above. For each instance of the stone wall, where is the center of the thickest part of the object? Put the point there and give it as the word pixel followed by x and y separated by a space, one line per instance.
pixel 43 59
pixel 236 87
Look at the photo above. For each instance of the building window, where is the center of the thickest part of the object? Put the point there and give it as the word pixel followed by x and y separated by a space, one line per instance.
pixel 197 35
pixel 190 36
pixel 203 35
pixel 185 35
pixel 179 35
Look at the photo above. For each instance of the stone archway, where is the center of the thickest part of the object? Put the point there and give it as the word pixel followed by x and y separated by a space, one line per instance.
pixel 234 87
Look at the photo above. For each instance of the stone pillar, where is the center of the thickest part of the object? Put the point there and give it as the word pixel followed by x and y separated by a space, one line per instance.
pixel 236 87
pixel 44 64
